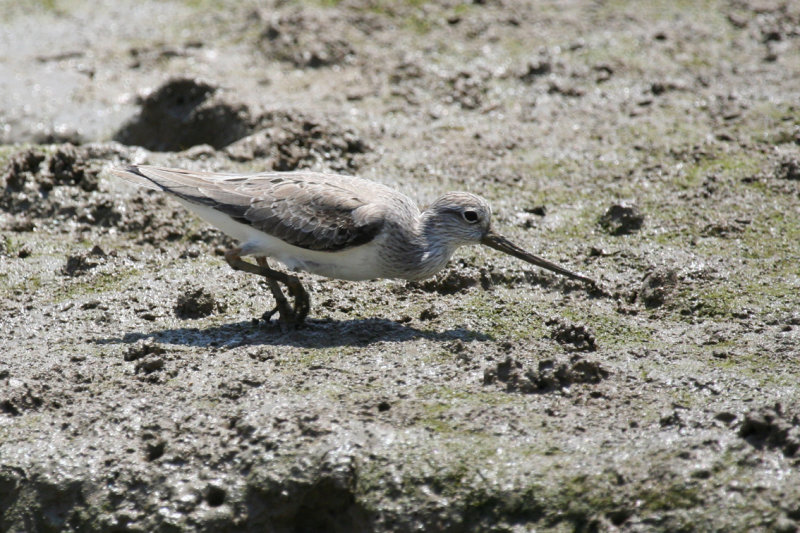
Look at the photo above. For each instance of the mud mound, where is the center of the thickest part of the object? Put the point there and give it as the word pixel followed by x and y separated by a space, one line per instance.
pixel 142 349
pixel 621 219
pixel 573 336
pixel 305 40
pixel 18 397
pixel 83 262
pixel 62 166
pixel 183 113
pixel 656 286
pixel 788 168
pixel 116 415
pixel 550 375
pixel 55 189
pixel 52 184
pixel 325 500
pixel 770 427
pixel 291 140
pixel 414 81
pixel 197 303
pixel 454 279
pixel 467 88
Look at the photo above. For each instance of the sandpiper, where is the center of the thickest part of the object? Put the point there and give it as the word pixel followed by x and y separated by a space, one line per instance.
pixel 331 225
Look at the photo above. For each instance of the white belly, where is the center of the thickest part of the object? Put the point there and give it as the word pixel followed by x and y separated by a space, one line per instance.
pixel 354 264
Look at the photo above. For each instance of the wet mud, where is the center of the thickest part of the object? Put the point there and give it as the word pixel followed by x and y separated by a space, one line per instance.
pixel 653 147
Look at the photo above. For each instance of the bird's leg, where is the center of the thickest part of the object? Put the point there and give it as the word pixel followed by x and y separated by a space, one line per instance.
pixel 286 316
pixel 301 299
pixel 302 302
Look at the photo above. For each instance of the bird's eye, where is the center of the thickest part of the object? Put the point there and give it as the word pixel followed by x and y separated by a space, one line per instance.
pixel 470 216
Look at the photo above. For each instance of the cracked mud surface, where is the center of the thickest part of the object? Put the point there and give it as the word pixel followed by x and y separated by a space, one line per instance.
pixel 655 148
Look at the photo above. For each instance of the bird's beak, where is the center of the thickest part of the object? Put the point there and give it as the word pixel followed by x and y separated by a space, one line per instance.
pixel 498 242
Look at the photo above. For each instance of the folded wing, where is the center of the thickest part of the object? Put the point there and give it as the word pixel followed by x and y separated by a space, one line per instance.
pixel 323 212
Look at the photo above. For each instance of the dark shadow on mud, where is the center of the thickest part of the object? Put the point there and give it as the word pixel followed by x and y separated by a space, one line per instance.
pixel 314 334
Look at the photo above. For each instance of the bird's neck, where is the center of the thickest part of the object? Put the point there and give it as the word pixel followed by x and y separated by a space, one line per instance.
pixel 415 251
pixel 432 250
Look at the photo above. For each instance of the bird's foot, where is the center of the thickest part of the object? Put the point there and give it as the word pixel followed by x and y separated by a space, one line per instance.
pixel 289 319
pixel 302 302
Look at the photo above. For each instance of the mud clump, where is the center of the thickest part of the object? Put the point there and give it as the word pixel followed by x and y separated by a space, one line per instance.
pixel 19 167
pixel 536 68
pixel 621 219
pixel 197 303
pixel 39 171
pixel 149 365
pixel 83 262
pixel 416 81
pixel 573 337
pixel 17 397
pixel 776 24
pixel 323 498
pixel 656 286
pixel 57 185
pixel 726 228
pixel 788 169
pixel 77 264
pixel 56 188
pixel 770 427
pixel 455 279
pixel 451 282
pixel 141 349
pixel 565 88
pixel 467 88
pixel 429 313
pixel 147 355
pixel 305 41
pixel 290 140
pixel 183 113
pixel 550 375
pixel 43 170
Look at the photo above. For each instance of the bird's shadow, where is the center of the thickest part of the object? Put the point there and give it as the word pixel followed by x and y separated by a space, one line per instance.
pixel 313 334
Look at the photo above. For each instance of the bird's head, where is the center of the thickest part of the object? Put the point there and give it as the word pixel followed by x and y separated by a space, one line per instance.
pixel 461 218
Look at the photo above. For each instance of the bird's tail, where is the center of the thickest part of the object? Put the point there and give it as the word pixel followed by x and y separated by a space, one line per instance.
pixel 133 174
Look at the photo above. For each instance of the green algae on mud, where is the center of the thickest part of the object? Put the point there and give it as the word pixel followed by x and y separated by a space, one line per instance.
pixel 459 404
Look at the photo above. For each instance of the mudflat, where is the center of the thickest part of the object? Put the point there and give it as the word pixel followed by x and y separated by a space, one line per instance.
pixel 653 146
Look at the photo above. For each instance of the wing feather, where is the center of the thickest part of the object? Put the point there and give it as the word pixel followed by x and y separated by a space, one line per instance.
pixel 323 212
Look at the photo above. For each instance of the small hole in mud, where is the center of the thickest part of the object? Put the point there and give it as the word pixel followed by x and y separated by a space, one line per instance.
pixel 384 406
pixel 620 516
pixel 155 450
pixel 215 496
